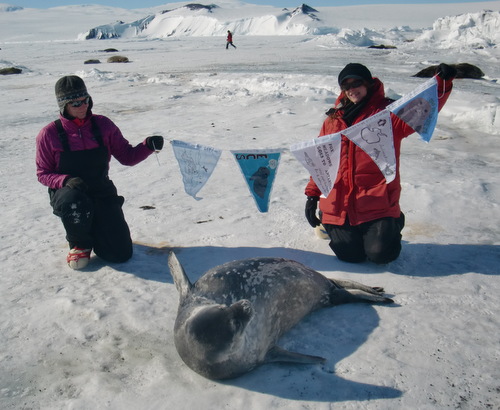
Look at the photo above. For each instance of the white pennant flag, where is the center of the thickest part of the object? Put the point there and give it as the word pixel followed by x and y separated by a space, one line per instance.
pixel 321 157
pixel 374 136
pixel 197 162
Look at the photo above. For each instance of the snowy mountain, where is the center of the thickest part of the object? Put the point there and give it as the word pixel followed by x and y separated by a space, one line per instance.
pixel 341 24
pixel 479 30
pixel 118 29
pixel 211 20
pixel 8 7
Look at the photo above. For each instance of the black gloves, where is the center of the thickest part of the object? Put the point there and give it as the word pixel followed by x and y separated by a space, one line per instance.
pixel 76 183
pixel 311 206
pixel 446 72
pixel 155 143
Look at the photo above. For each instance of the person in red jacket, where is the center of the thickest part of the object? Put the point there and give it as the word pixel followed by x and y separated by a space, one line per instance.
pixel 361 214
pixel 72 160
pixel 229 40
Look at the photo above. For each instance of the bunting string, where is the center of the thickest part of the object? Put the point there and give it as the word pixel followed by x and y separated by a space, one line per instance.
pixel 320 156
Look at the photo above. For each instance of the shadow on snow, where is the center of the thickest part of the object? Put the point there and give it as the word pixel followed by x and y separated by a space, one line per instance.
pixel 416 259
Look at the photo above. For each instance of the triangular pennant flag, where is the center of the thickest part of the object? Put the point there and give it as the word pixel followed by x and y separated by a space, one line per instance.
pixel 374 136
pixel 197 162
pixel 259 168
pixel 419 109
pixel 321 158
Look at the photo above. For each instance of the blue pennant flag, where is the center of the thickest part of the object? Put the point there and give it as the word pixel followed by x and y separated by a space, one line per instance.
pixel 259 168
pixel 419 109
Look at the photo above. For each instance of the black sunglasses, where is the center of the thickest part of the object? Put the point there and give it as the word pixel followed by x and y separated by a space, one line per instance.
pixel 77 104
pixel 352 84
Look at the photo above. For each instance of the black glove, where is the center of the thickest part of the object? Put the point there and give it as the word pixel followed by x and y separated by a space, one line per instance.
pixel 155 143
pixel 76 183
pixel 311 206
pixel 446 72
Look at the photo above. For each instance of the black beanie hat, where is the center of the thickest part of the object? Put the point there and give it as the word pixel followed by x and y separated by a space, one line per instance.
pixel 69 88
pixel 355 70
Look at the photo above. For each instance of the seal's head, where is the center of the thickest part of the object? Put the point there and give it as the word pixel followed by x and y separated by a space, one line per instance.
pixel 211 335
pixel 216 328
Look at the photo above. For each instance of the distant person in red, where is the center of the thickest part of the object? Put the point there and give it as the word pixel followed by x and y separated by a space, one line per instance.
pixel 229 40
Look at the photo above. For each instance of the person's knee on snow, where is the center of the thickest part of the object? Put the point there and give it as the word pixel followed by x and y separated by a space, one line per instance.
pixel 348 252
pixel 383 253
pixel 115 255
pixel 382 240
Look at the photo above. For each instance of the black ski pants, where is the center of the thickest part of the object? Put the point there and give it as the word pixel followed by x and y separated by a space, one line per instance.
pixel 378 241
pixel 94 223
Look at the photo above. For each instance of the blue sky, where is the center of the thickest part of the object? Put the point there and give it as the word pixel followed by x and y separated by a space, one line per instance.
pixel 139 4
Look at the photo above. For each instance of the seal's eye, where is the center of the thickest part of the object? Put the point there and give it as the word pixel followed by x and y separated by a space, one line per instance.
pixel 236 324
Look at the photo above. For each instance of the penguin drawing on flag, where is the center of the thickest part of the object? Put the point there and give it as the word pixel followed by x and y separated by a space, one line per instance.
pixel 260 181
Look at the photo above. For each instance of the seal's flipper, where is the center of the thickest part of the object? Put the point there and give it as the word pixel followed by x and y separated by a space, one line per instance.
pixel 362 296
pixel 181 280
pixel 350 284
pixel 339 296
pixel 277 354
pixel 349 291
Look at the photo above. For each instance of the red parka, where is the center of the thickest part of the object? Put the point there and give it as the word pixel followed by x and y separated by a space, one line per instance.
pixel 360 191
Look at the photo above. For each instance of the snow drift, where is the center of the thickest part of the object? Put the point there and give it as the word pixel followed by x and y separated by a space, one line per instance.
pixel 475 30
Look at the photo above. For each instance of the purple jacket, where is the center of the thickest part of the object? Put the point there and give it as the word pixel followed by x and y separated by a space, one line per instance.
pixel 49 148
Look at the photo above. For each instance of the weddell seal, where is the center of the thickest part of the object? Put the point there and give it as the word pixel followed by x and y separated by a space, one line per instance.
pixel 229 320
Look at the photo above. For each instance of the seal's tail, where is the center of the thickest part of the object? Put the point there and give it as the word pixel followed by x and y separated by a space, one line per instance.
pixel 181 280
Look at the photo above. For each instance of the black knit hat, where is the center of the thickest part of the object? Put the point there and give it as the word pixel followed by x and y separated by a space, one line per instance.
pixel 355 70
pixel 69 88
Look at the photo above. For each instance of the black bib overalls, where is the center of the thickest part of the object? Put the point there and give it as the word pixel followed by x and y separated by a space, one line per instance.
pixel 92 219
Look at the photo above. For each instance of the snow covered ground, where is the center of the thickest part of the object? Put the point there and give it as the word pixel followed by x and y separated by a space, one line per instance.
pixel 102 338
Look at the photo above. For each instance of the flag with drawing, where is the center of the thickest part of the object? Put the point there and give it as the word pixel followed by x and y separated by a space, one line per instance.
pixel 196 162
pixel 374 136
pixel 259 168
pixel 419 109
pixel 321 157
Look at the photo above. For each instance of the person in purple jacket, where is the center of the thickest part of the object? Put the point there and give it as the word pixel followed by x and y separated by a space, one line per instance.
pixel 72 160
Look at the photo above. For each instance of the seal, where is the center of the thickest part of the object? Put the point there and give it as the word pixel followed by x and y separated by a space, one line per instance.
pixel 229 320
